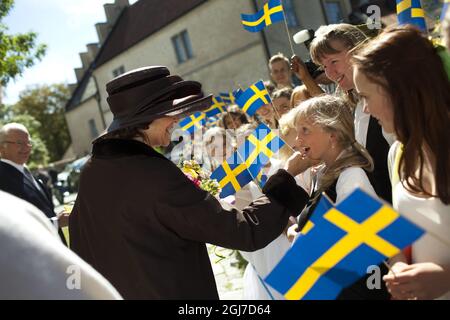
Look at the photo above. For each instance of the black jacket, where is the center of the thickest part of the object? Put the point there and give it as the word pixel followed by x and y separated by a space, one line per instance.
pixel 143 225
pixel 16 183
pixel 378 148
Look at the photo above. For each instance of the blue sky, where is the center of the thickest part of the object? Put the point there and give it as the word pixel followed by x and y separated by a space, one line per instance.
pixel 66 26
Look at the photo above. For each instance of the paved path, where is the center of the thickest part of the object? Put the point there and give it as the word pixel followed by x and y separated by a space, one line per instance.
pixel 228 275
pixel 226 271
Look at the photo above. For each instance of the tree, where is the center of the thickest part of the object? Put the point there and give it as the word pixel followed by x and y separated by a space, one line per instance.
pixel 5 112
pixel 46 104
pixel 17 52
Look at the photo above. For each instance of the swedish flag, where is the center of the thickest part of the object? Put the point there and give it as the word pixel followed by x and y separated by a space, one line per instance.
pixel 272 12
pixel 232 175
pixel 261 178
pixel 258 148
pixel 253 98
pixel 217 107
pixel 228 97
pixel 411 12
pixel 237 93
pixel 338 244
pixel 212 122
pixel 445 9
pixel 193 122
pixel 247 162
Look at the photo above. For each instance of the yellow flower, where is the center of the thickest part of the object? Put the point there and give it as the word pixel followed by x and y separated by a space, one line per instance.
pixel 190 172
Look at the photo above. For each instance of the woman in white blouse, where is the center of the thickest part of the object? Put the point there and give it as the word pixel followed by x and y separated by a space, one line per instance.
pixel 331 49
pixel 403 84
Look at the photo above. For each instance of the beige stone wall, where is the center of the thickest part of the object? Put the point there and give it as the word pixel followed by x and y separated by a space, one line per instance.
pixel 78 123
pixel 309 14
pixel 224 53
pixel 90 89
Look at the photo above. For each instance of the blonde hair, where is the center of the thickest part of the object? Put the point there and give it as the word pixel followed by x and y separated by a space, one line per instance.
pixel 278 57
pixel 285 127
pixel 335 116
pixel 282 93
pixel 286 122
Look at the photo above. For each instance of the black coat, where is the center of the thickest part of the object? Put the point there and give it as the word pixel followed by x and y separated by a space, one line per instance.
pixel 143 225
pixel 378 148
pixel 15 183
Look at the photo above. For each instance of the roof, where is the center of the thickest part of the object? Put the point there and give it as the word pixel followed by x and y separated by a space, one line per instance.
pixel 139 21
pixel 77 94
pixel 135 23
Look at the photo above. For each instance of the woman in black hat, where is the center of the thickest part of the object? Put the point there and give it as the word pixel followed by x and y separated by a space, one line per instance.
pixel 139 221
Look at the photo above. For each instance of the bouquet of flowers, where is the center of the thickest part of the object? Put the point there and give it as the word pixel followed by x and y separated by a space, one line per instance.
pixel 199 177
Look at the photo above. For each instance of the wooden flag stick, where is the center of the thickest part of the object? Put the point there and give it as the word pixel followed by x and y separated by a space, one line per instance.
pixel 389 267
pixel 287 29
pixel 278 116
pixel 425 21
pixel 237 148
pixel 242 160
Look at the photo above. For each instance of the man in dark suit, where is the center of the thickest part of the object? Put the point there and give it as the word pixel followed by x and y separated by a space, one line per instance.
pixel 16 179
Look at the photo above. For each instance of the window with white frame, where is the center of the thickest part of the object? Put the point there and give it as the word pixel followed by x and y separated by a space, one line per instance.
pixel 118 71
pixel 182 46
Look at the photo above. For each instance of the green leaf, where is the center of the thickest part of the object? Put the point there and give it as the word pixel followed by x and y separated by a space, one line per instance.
pixel 17 52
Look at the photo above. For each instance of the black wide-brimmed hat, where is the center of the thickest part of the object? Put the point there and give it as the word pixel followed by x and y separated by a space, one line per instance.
pixel 145 94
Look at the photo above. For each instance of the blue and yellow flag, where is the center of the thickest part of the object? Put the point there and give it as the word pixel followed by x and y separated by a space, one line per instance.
pixel 444 9
pixel 338 244
pixel 237 93
pixel 228 97
pixel 212 122
pixel 217 107
pixel 261 178
pixel 272 12
pixel 247 162
pixel 258 148
pixel 232 175
pixel 253 98
pixel 193 122
pixel 411 12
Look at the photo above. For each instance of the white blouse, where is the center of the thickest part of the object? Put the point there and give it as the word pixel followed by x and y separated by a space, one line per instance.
pixel 350 179
pixel 430 214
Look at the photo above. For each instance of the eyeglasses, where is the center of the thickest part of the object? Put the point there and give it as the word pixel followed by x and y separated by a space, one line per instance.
pixel 21 143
